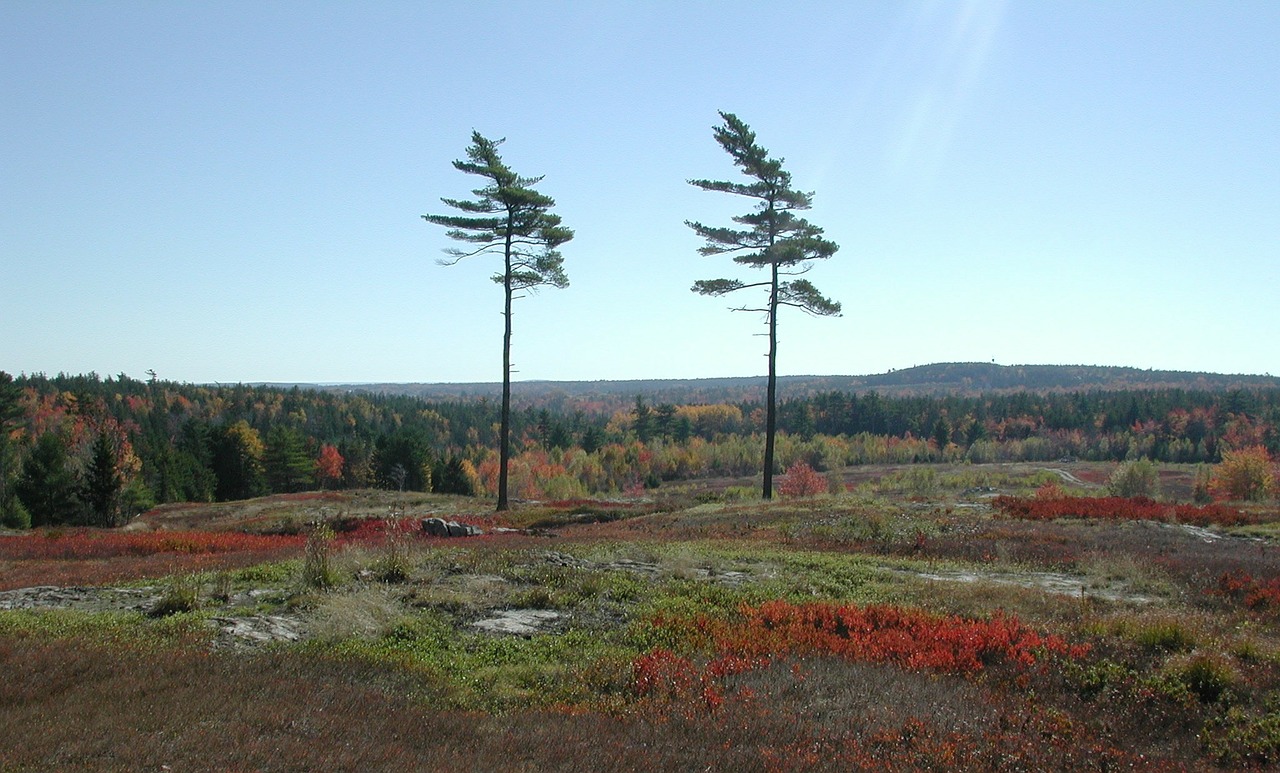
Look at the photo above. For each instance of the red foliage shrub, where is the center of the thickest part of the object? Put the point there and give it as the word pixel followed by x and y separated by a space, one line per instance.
pixel 875 634
pixel 1119 509
pixel 801 480
pixel 93 543
pixel 1257 595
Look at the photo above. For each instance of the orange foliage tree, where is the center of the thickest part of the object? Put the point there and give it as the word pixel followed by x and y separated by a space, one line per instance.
pixel 329 465
pixel 1243 475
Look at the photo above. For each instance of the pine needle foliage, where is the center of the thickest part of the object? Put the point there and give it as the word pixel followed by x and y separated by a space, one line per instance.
pixel 770 237
pixel 508 218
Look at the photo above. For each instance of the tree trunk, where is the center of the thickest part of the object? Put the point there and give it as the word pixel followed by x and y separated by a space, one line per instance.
pixel 504 431
pixel 771 395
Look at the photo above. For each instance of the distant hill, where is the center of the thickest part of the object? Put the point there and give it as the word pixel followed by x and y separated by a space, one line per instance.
pixel 959 378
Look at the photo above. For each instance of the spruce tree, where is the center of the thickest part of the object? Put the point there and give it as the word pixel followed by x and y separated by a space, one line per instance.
pixel 47 486
pixel 507 218
pixel 103 482
pixel 771 237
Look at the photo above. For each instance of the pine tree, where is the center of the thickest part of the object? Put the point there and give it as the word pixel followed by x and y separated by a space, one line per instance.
pixel 103 482
pixel 13 513
pixel 772 238
pixel 508 218
pixel 47 486
pixel 285 460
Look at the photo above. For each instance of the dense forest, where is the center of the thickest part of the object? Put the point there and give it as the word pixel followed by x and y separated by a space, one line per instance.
pixel 87 449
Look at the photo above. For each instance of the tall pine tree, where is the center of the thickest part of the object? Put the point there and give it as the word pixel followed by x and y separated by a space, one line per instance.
pixel 771 237
pixel 508 218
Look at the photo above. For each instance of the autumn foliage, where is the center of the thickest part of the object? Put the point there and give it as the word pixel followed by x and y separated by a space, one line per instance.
pixel 1047 508
pixel 801 480
pixel 1257 594
pixel 910 639
pixel 1243 475
pixel 92 543
pixel 329 466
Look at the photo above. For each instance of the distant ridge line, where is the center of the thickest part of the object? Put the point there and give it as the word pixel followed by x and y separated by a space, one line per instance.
pixel 939 379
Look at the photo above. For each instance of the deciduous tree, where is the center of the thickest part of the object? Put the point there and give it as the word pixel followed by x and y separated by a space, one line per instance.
pixel 507 218
pixel 771 237
pixel 1138 478
pixel 1243 475
pixel 329 466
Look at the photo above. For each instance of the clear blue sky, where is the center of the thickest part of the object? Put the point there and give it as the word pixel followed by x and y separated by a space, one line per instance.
pixel 231 191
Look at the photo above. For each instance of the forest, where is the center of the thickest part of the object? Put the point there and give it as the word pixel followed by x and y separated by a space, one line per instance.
pixel 83 449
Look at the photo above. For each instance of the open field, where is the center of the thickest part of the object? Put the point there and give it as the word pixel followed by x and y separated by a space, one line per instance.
pixel 920 619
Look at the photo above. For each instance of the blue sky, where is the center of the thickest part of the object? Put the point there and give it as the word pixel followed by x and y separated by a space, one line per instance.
pixel 232 191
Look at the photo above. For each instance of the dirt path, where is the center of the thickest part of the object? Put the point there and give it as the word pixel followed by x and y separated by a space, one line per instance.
pixel 1067 477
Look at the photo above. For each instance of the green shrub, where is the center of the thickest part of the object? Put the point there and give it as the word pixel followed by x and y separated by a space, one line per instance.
pixel 1240 739
pixel 181 594
pixel 1167 636
pixel 1138 478
pixel 1208 678
pixel 1095 679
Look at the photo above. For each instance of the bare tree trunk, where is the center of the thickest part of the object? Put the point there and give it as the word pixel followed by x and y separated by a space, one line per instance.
pixel 504 431
pixel 771 396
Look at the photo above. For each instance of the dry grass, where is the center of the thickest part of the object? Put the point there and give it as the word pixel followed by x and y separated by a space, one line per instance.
pixel 1181 678
pixel 189 710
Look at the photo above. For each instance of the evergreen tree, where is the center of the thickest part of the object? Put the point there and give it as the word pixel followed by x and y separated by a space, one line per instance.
pixel 47 486
pixel 403 461
pixel 450 477
pixel 642 422
pixel 508 218
pixel 592 439
pixel 772 238
pixel 103 483
pixel 287 464
pixel 237 462
pixel 13 514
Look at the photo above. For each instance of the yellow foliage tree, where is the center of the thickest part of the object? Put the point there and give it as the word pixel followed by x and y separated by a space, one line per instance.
pixel 1244 475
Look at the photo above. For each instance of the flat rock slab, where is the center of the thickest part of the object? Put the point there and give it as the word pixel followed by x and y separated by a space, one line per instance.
pixel 87 599
pixel 1049 582
pixel 258 629
pixel 519 622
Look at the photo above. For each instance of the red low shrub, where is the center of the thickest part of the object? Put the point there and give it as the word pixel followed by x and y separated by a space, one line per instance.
pixel 1258 595
pixel 95 543
pixel 1119 509
pixel 873 634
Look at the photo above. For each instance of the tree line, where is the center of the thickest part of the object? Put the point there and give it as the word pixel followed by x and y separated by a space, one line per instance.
pixel 92 450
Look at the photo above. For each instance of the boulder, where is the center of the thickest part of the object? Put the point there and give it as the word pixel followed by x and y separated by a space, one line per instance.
pixel 438 527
